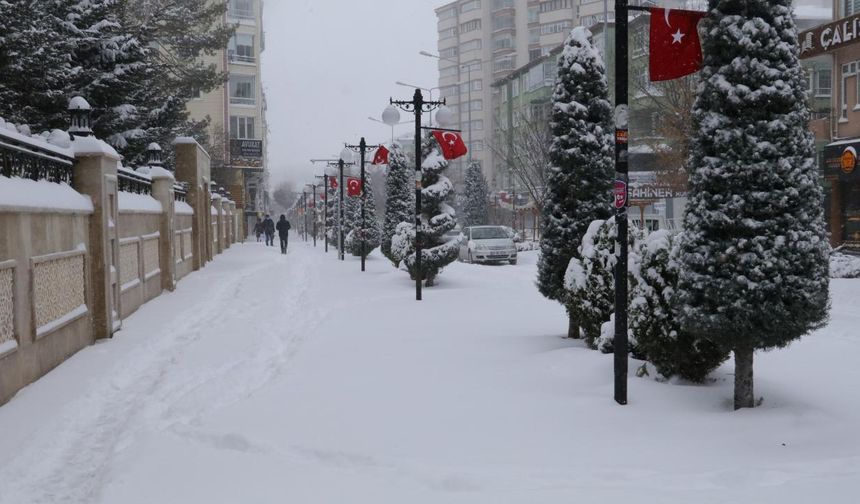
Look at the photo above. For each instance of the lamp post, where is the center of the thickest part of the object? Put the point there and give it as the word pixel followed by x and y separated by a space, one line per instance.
pixel 345 158
pixel 468 67
pixel 621 183
pixel 305 215
pixel 314 206
pixel 329 172
pixel 417 106
pixel 361 148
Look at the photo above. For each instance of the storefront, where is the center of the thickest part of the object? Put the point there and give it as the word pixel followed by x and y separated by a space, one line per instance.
pixel 842 191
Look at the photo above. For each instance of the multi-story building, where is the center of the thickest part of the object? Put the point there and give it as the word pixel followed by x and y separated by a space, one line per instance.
pixel 237 112
pixel 481 41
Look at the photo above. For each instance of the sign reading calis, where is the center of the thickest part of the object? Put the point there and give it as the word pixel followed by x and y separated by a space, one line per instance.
pixel 830 37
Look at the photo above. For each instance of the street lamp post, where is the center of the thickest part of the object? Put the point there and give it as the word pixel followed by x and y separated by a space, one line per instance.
pixel 344 159
pixel 305 216
pixel 417 106
pixel 361 148
pixel 333 168
pixel 314 207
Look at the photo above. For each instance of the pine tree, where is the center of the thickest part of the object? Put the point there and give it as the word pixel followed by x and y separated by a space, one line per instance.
pixel 580 176
pixel 476 205
pixel 654 315
pixel 399 199
pixel 754 254
pixel 437 218
pixel 370 231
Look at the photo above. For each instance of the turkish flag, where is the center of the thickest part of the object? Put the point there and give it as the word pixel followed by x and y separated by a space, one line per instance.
pixel 333 182
pixel 353 186
pixel 381 156
pixel 451 144
pixel 674 41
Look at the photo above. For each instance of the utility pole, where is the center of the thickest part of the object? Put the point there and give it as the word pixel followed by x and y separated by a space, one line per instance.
pixel 621 199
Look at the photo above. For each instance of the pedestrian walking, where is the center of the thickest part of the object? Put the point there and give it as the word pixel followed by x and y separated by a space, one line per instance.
pixel 269 229
pixel 258 229
pixel 284 232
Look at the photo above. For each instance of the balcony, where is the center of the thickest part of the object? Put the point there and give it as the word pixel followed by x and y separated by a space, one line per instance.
pixel 501 5
pixel 235 57
pixel 242 14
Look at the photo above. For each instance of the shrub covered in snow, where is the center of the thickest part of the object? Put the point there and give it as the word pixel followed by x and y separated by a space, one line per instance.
pixel 590 277
pixel 579 181
pixel 844 265
pixel 654 315
pixel 370 231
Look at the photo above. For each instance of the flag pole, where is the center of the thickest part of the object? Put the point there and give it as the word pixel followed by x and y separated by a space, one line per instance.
pixel 620 189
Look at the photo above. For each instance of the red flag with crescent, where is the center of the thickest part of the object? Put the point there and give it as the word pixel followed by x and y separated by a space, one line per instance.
pixel 675 50
pixel 381 156
pixel 451 143
pixel 333 182
pixel 353 186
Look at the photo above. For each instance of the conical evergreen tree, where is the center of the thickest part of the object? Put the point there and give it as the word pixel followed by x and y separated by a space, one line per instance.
pixel 580 176
pixel 370 231
pixel 437 218
pixel 476 210
pixel 755 250
pixel 399 199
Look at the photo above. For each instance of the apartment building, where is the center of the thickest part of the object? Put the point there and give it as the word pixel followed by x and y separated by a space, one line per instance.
pixel 481 41
pixel 237 112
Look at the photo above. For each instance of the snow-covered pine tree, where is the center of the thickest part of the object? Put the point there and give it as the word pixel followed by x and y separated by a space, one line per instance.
pixel 476 201
pixel 437 218
pixel 399 199
pixel 371 231
pixel 654 315
pixel 581 171
pixel 754 253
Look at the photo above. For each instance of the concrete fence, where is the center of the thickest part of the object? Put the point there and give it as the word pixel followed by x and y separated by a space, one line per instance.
pixel 85 242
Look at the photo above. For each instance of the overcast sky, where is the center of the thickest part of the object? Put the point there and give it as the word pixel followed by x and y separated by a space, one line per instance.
pixel 329 64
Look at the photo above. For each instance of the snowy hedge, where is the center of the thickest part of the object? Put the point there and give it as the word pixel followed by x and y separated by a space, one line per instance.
pixel 844 266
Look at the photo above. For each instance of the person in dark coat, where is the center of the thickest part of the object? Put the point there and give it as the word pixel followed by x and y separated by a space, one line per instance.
pixel 258 229
pixel 283 232
pixel 269 228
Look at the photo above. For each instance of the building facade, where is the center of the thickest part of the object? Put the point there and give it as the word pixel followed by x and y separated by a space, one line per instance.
pixel 237 112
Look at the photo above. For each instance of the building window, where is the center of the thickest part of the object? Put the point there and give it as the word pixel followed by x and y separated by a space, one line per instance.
pixel 640 42
pixel 824 84
pixel 848 70
pixel 449 71
pixel 242 90
pixel 470 6
pixel 448 33
pixel 241 48
pixel 471 45
pixel 470 26
pixel 477 104
pixel 503 41
pixel 475 65
pixel 241 9
pixel 534 17
pixel 475 85
pixel 477 146
pixel 515 88
pixel 450 52
pixel 447 91
pixel 557 27
pixel 446 14
pixel 554 5
pixel 502 4
pixel 505 63
pixel 478 125
pixel 503 22
pixel 852 7
pixel 242 127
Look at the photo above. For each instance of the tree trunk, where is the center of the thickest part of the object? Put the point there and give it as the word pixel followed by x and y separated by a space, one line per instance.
pixel 572 327
pixel 744 397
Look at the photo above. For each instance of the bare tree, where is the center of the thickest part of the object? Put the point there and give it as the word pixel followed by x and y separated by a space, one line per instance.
pixel 285 195
pixel 525 151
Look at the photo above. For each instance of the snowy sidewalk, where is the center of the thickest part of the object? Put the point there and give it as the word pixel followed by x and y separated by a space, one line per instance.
pixel 272 379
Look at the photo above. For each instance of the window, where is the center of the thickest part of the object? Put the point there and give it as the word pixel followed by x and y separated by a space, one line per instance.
pixel 241 9
pixel 515 88
pixel 242 90
pixel 477 146
pixel 534 17
pixel 470 26
pixel 640 42
pixel 848 70
pixel 554 5
pixel 470 6
pixel 505 63
pixel 478 125
pixel 450 52
pixel 448 33
pixel 471 45
pixel 503 22
pixel 476 85
pixel 534 54
pixel 241 48
pixel 502 4
pixel 852 7
pixel 475 65
pixel 242 127
pixel 446 14
pixel 447 91
pixel 557 27
pixel 824 84
pixel 503 41
pixel 534 36
pixel 450 71
pixel 477 104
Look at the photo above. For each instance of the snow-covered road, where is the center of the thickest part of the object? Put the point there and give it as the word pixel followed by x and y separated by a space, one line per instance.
pixel 272 379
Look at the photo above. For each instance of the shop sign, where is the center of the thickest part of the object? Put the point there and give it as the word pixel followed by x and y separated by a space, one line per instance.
pixel 830 37
pixel 840 160
pixel 848 160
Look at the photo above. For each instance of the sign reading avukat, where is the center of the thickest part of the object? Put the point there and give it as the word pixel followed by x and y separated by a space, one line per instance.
pixel 830 37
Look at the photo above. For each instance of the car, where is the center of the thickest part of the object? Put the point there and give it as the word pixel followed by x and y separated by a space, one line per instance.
pixel 452 235
pixel 486 244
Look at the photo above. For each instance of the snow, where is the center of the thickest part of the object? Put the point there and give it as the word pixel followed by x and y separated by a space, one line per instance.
pixel 158 172
pixel 184 140
pixel 844 266
pixel 38 196
pixel 8 346
pixel 53 143
pixel 268 379
pixel 183 208
pixel 138 203
pixel 79 103
pixel 92 146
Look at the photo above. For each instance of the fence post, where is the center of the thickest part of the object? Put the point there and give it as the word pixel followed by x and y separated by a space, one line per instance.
pixel 193 168
pixel 95 175
pixel 162 190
